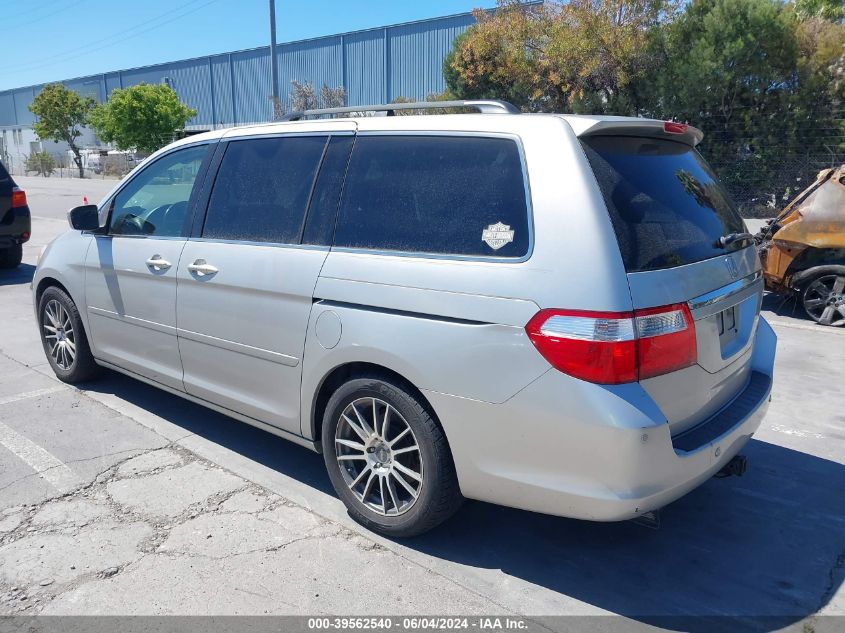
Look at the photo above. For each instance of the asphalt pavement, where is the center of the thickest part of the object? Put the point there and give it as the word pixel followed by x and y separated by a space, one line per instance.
pixel 121 499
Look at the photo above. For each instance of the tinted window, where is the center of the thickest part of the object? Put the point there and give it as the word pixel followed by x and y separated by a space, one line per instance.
pixel 155 202
pixel 323 210
pixel 262 189
pixel 435 194
pixel 5 196
pixel 664 201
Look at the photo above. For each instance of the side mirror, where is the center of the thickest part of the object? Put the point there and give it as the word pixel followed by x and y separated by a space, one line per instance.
pixel 84 218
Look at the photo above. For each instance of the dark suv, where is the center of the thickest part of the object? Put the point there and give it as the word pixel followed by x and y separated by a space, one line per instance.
pixel 15 224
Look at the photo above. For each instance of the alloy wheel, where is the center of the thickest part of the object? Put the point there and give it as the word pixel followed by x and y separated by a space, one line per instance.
pixel 59 334
pixel 379 456
pixel 824 300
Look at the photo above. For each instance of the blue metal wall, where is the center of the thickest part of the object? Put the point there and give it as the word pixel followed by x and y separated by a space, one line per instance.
pixel 375 66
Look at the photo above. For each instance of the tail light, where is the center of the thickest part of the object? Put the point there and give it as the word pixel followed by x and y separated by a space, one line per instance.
pixel 18 198
pixel 673 127
pixel 615 347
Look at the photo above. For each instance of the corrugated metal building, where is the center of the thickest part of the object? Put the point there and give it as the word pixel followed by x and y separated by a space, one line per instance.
pixel 374 66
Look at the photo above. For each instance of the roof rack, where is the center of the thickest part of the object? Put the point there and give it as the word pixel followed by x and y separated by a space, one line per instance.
pixel 486 106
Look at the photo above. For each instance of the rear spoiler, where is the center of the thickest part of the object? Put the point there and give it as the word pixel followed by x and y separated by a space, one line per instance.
pixel 630 126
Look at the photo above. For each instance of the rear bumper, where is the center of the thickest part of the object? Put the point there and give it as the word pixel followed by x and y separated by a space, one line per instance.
pixel 604 453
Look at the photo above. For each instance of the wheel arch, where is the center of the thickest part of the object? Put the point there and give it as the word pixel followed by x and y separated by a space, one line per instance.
pixel 47 281
pixel 347 371
pixel 809 259
pixel 51 278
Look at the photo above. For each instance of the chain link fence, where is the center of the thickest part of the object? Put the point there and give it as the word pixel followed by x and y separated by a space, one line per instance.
pixel 763 174
pixel 96 164
pixel 762 190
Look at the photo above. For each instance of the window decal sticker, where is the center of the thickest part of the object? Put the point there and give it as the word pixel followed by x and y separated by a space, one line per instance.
pixel 497 235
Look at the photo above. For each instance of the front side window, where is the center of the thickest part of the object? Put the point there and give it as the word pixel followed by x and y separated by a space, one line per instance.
pixel 262 189
pixel 451 195
pixel 155 202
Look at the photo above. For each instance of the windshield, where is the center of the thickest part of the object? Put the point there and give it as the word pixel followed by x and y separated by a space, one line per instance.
pixel 665 203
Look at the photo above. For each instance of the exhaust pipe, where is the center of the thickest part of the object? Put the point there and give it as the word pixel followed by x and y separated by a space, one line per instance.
pixel 735 467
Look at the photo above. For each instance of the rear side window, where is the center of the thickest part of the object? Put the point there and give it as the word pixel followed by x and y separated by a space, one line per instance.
pixel 262 189
pixel 458 195
pixel 665 203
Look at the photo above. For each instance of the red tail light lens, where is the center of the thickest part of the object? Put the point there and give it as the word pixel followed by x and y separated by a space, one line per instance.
pixel 615 347
pixel 673 127
pixel 18 198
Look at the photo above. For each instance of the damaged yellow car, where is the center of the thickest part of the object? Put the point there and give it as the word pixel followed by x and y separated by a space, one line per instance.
pixel 803 249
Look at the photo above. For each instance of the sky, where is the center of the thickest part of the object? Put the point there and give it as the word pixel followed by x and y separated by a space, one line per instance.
pixel 50 40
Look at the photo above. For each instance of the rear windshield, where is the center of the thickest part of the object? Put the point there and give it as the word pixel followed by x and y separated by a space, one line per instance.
pixel 665 203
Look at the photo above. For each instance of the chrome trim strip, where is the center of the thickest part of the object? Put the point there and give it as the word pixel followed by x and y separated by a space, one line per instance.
pixel 125 318
pixel 239 348
pixel 304 247
pixel 725 292
pixel 331 303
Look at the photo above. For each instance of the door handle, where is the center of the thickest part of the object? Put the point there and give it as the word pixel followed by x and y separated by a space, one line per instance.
pixel 201 268
pixel 157 263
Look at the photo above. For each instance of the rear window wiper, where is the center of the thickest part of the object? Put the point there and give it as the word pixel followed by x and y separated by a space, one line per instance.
pixel 732 238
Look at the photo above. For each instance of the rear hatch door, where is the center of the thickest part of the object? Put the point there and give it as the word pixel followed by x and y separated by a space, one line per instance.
pixel 669 213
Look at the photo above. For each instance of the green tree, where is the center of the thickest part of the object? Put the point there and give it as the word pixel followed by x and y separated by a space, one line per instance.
pixel 824 9
pixel 757 80
pixel 143 117
pixel 61 115
pixel 575 56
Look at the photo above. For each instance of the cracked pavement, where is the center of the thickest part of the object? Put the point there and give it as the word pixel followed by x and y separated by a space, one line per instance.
pixel 120 499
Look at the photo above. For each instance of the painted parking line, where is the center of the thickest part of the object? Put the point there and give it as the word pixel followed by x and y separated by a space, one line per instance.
pixel 45 464
pixel 810 328
pixel 30 394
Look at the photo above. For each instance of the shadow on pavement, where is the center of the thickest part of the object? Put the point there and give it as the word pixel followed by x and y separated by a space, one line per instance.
pixel 259 446
pixel 17 276
pixel 763 547
pixel 785 306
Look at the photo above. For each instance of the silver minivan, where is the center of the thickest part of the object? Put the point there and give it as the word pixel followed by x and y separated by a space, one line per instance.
pixel 550 312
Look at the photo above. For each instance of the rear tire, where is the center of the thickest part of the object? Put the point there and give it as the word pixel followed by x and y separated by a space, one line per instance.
pixel 398 481
pixel 64 339
pixel 823 296
pixel 11 257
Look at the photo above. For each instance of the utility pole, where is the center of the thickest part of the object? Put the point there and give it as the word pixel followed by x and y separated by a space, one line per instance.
pixel 274 71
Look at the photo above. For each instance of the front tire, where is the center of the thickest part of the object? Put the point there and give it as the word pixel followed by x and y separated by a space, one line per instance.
pixel 64 339
pixel 11 257
pixel 388 458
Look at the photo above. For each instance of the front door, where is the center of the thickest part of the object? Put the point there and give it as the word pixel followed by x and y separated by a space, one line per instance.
pixel 246 284
pixel 130 281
